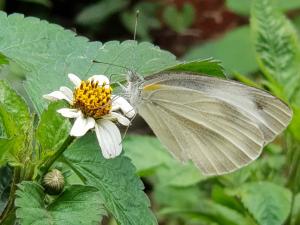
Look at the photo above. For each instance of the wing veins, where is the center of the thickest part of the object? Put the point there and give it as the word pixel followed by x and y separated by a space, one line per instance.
pixel 214 131
pixel 215 114
pixel 178 121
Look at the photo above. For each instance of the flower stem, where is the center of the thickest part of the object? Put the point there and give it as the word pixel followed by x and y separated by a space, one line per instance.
pixel 56 155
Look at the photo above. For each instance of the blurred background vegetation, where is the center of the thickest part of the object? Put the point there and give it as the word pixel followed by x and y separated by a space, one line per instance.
pixel 264 193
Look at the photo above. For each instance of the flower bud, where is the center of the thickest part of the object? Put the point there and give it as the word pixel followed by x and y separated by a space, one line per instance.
pixel 54 182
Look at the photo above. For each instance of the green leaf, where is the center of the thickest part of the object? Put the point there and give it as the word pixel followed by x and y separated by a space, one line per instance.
pixel 3 59
pixel 12 141
pixel 148 155
pixel 9 125
pixel 220 214
pixel 243 7
pixel 239 7
pixel 180 175
pixel 209 212
pixel 220 196
pixel 16 106
pixel 16 122
pixel 208 66
pixel 295 124
pixel 46 3
pixel 76 205
pixel 179 20
pixel 48 53
pixel 115 179
pixel 52 129
pixel 277 47
pixel 286 5
pixel 268 203
pixel 5 180
pixel 177 197
pixel 234 50
pixel 9 149
pixel 295 215
pixel 98 12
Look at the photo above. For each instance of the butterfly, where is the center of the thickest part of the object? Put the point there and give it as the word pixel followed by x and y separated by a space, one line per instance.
pixel 221 125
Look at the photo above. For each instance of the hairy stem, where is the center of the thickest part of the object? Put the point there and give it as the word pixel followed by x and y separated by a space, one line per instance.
pixel 56 155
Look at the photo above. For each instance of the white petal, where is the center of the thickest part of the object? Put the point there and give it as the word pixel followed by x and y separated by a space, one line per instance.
pixel 100 78
pixel 82 125
pixel 121 103
pixel 70 113
pixel 56 95
pixel 121 119
pixel 67 92
pixel 109 138
pixel 74 79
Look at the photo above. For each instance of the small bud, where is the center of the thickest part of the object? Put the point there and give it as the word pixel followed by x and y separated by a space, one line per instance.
pixel 54 182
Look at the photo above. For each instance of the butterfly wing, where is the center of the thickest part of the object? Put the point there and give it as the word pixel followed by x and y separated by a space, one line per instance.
pixel 220 125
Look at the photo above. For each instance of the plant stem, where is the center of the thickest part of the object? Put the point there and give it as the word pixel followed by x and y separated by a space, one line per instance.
pixel 12 196
pixel 56 155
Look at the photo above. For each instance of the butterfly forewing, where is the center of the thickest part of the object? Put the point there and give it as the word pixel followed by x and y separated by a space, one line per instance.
pixel 270 113
pixel 221 125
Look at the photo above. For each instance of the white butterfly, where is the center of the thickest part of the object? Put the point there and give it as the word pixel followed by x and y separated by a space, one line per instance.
pixel 221 125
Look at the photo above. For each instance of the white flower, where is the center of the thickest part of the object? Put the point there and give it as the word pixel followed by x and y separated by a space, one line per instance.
pixel 94 107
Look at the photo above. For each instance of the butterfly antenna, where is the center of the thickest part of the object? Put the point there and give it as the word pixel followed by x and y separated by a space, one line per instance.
pixel 137 13
pixel 111 64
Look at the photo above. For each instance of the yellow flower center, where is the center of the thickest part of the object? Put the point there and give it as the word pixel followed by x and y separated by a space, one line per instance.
pixel 93 100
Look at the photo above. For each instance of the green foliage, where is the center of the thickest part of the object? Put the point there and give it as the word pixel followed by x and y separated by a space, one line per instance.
pixel 179 175
pixel 269 204
pixel 46 3
pixel 16 121
pixel 295 125
pixel 179 20
pixel 3 60
pixel 239 7
pixel 98 12
pixel 149 156
pixel 295 217
pixel 15 106
pixel 208 66
pixel 219 214
pixel 277 49
pixel 234 50
pixel 209 212
pixel 53 129
pixel 115 179
pixel 145 152
pixel 243 7
pixel 76 205
pixel 9 126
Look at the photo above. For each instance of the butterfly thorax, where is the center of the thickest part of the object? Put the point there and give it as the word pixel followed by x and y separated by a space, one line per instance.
pixel 133 91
